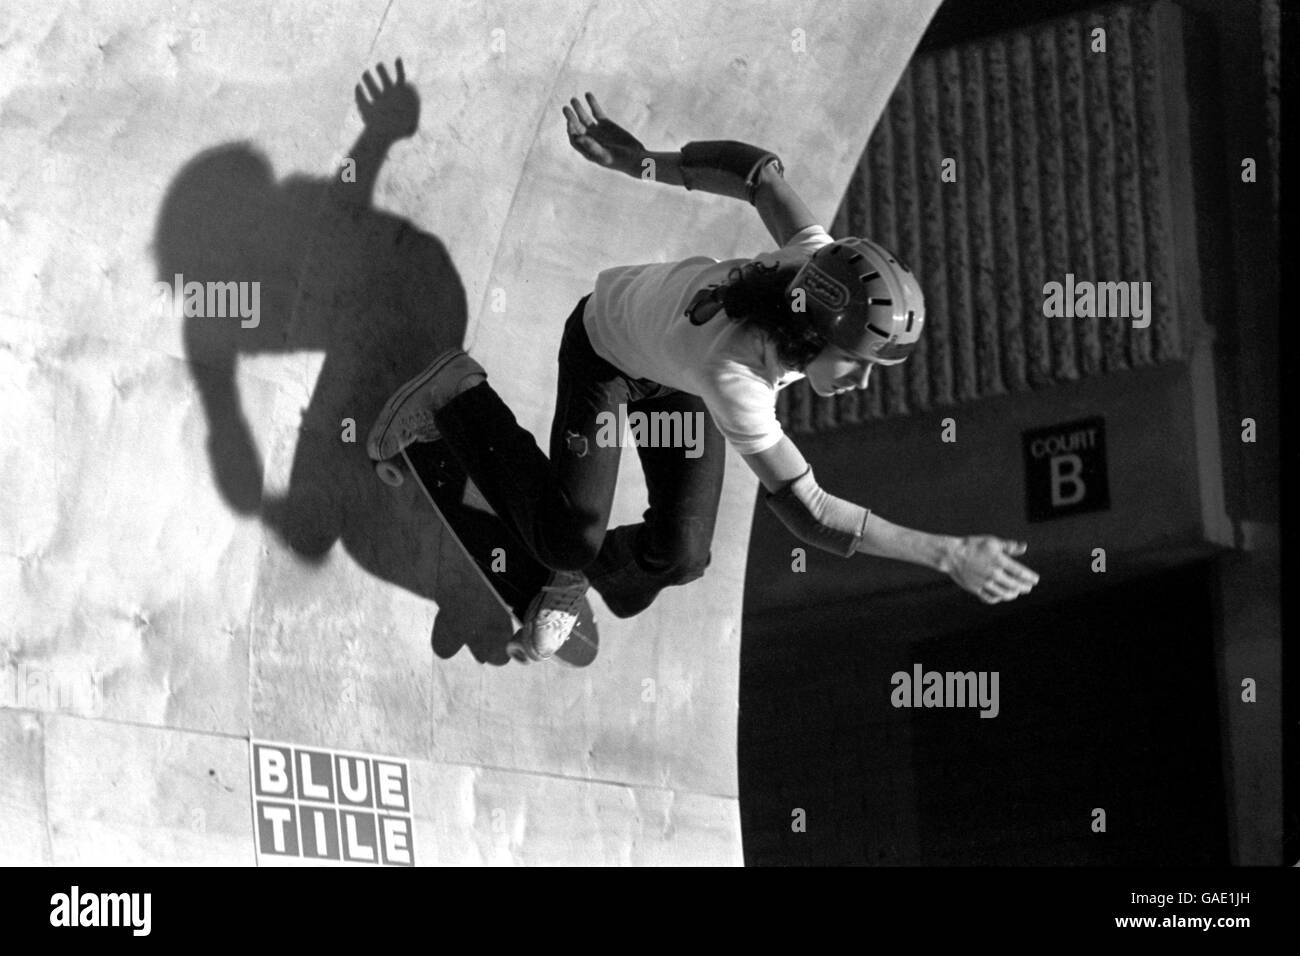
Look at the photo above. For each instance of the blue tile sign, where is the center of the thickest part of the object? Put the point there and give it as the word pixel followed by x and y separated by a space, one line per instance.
pixel 318 806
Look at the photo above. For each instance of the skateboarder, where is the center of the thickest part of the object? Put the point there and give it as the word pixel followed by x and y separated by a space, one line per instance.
pixel 701 338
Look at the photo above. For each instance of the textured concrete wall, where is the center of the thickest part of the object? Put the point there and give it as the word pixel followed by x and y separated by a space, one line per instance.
pixel 1063 160
pixel 193 554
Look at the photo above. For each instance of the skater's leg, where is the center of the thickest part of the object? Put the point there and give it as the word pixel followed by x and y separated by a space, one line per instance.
pixel 685 486
pixel 589 391
pixel 671 545
pixel 560 506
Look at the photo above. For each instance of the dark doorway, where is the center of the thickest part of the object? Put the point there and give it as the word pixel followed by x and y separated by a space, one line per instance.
pixel 1105 700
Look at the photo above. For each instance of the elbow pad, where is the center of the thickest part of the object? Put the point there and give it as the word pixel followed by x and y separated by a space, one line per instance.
pixel 726 167
pixel 821 520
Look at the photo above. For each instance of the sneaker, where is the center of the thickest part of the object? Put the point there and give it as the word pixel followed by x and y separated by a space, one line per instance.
pixel 407 416
pixel 551 616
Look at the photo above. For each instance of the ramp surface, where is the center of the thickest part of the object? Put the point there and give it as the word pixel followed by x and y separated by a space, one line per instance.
pixel 194 552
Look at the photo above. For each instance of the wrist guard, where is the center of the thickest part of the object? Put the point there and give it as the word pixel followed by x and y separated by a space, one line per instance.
pixel 726 167
pixel 822 520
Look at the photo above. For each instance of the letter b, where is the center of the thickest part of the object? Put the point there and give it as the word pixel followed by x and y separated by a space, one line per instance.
pixel 1066 470
pixel 272 771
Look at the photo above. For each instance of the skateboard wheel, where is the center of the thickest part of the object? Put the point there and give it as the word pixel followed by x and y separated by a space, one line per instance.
pixel 389 473
pixel 516 649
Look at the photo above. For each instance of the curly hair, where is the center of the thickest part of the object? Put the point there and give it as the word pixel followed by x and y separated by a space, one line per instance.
pixel 754 295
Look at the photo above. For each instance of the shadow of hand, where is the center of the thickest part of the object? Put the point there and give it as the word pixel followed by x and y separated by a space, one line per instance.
pixel 393 108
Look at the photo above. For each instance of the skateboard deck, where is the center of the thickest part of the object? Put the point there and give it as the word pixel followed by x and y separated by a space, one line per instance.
pixel 486 540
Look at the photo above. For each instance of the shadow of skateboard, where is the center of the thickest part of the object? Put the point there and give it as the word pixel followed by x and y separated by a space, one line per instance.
pixel 502 561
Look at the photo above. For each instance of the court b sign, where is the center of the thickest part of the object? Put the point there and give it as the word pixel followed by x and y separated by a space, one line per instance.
pixel 1065 469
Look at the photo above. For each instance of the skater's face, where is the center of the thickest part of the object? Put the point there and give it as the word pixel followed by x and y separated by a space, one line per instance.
pixel 835 371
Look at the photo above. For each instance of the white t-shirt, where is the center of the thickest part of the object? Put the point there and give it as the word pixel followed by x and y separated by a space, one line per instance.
pixel 636 320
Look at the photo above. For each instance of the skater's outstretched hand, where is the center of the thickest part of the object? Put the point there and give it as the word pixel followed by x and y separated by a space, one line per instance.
pixel 393 108
pixel 600 140
pixel 984 566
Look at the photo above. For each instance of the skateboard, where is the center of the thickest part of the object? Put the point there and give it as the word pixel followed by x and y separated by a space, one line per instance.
pixel 484 538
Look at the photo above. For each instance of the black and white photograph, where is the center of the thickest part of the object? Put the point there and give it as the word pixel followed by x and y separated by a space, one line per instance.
pixel 644 433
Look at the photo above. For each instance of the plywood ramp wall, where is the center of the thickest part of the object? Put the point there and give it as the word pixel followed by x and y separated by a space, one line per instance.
pixel 193 557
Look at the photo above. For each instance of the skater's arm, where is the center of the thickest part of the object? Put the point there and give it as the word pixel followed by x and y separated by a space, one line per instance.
pixel 779 206
pixel 782 210
pixel 723 167
pixel 831 523
pixel 662 167
pixel 980 564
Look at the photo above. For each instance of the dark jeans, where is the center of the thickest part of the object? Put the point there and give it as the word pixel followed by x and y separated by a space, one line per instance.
pixel 559 506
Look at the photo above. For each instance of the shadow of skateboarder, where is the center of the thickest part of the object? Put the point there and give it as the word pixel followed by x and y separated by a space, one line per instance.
pixel 370 291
